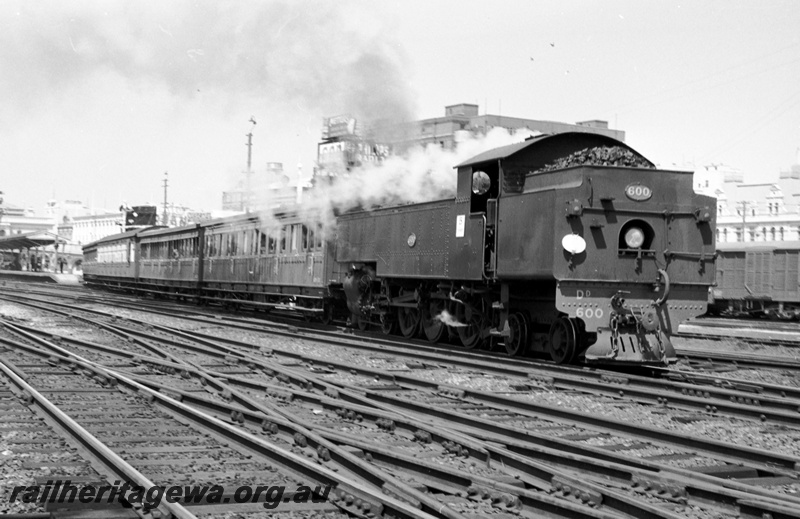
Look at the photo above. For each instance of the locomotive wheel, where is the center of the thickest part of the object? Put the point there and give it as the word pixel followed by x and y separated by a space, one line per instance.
pixel 388 323
pixel 327 314
pixel 433 328
pixel 359 321
pixel 563 341
pixel 470 334
pixel 408 319
pixel 517 341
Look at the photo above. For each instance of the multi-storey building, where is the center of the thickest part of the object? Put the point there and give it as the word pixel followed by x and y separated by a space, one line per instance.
pixel 763 211
pixel 348 143
pixel 16 220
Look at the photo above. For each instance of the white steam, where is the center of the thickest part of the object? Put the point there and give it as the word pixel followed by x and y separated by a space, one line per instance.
pixel 423 174
pixel 450 320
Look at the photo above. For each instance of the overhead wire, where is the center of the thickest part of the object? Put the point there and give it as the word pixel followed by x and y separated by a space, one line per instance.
pixel 632 106
pixel 759 124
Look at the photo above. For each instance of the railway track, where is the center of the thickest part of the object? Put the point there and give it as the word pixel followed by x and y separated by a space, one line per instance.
pixel 734 399
pixel 758 333
pixel 565 484
pixel 168 444
pixel 448 444
pixel 474 496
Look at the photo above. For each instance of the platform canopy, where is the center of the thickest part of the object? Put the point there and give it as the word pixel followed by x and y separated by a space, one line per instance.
pixel 29 240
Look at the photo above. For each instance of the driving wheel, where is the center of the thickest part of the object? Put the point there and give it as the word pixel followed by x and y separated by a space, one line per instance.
pixel 517 340
pixel 432 327
pixel 563 340
pixel 407 320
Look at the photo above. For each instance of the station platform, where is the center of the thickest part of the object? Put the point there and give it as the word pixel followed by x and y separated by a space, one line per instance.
pixel 40 277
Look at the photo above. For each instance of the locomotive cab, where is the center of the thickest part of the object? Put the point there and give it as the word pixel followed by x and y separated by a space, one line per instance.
pixel 484 187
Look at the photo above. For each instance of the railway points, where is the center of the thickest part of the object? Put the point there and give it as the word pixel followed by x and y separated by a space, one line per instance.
pixel 299 388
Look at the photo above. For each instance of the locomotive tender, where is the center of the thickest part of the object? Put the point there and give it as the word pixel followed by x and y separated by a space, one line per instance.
pixel 571 245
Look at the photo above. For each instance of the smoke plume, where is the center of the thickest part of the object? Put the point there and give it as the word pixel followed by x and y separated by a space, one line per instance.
pixel 328 57
pixel 423 174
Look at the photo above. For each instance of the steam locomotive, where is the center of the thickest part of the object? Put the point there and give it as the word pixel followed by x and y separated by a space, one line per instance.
pixel 572 245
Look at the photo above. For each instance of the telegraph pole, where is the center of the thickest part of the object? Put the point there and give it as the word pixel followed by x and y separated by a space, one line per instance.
pixel 2 211
pixel 247 193
pixel 165 220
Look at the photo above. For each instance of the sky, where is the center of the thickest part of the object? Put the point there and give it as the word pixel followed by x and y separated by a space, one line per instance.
pixel 101 98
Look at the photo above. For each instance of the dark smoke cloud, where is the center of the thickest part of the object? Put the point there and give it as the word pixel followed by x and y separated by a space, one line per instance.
pixel 326 56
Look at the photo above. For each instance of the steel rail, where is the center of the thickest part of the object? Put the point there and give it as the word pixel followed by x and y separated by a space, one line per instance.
pixel 671 393
pixel 110 461
pixel 270 416
pixel 347 460
pixel 298 464
pixel 522 459
pixel 524 464
pixel 449 480
pixel 741 490
pixel 764 460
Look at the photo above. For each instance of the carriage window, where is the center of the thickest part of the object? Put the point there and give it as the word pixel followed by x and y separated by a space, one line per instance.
pixel 318 236
pixel 263 237
pixel 311 238
pixel 232 244
pixel 294 238
pixel 307 244
pixel 273 241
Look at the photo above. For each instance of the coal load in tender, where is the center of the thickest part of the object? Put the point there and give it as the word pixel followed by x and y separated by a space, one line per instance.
pixel 599 156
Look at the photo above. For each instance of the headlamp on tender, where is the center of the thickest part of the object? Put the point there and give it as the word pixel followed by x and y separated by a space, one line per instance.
pixel 634 237
pixel 573 243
